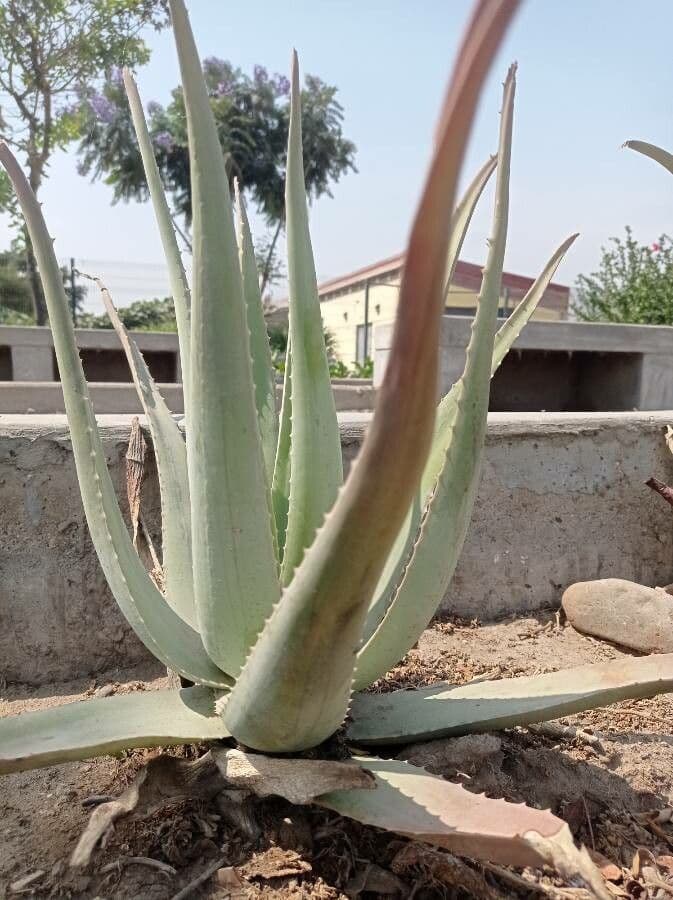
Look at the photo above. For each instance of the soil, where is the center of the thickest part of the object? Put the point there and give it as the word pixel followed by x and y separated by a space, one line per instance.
pixel 610 777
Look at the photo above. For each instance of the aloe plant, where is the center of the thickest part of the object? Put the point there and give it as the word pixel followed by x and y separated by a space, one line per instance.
pixel 287 593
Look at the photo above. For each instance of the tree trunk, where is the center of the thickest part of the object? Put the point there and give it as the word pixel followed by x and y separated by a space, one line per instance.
pixel 269 258
pixel 39 303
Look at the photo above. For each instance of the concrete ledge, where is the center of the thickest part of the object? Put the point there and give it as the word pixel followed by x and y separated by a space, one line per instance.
pixel 562 365
pixel 561 499
pixel 112 398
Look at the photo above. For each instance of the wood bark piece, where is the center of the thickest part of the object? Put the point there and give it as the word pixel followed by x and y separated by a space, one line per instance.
pixel 297 780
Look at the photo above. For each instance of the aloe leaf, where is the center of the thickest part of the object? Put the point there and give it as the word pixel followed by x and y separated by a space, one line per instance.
pixel 405 539
pixel 235 568
pixel 409 800
pixel 517 320
pixel 262 368
pixel 294 689
pixel 444 709
pixel 107 725
pixel 444 424
pixel 162 631
pixel 280 490
pixel 463 216
pixel 171 457
pixel 663 157
pixel 315 449
pixel 176 271
pixel 448 514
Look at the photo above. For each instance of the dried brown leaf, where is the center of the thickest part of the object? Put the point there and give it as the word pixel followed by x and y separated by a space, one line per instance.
pixel 297 780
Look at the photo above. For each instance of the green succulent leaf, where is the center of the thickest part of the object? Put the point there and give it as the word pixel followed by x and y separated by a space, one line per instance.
pixel 294 689
pixel 280 490
pixel 519 317
pixel 409 800
pixel 448 514
pixel 437 459
pixel 107 725
pixel 444 709
pixel 263 375
pixel 315 448
pixel 235 567
pixel 176 271
pixel 404 542
pixel 171 458
pixel 162 631
pixel 463 216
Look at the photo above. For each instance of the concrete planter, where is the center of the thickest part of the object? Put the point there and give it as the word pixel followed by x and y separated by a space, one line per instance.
pixel 561 499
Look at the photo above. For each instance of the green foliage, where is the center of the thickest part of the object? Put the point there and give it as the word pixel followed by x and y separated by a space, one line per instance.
pixel 141 315
pixel 15 293
pixel 52 51
pixel 362 370
pixel 338 369
pixel 633 283
pixel 252 119
pixel 16 301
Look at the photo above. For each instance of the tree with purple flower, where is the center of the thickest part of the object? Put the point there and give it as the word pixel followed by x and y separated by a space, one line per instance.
pixel 252 116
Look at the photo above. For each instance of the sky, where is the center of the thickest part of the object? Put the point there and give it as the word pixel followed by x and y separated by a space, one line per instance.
pixel 592 74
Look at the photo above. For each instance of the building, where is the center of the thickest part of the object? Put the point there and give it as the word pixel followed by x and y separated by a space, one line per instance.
pixel 354 303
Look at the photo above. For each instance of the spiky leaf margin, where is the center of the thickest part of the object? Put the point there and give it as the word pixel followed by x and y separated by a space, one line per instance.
pixel 263 374
pixel 412 802
pixel 437 461
pixel 176 271
pixel 105 725
pixel 171 459
pixel 443 709
pixel 162 631
pixel 294 689
pixel 316 468
pixel 448 514
pixel 235 567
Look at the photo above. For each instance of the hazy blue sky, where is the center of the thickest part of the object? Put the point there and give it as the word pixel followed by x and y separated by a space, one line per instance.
pixel 592 73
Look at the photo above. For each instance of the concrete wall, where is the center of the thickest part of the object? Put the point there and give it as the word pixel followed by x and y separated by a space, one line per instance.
pixel 563 366
pixel 27 354
pixel 562 498
pixel 108 399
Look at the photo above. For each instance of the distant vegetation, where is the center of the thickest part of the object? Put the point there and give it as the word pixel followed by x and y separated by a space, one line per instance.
pixel 633 283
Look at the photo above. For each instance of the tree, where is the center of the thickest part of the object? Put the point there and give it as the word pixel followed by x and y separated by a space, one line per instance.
pixel 51 52
pixel 141 315
pixel 16 299
pixel 252 115
pixel 634 283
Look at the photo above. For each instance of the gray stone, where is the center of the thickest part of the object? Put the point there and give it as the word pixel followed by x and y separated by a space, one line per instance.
pixel 622 612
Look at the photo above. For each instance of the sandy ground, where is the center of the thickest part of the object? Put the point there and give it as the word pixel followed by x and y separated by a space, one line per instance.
pixel 608 786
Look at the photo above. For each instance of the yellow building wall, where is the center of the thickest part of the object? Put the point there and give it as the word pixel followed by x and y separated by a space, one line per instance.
pixel 341 315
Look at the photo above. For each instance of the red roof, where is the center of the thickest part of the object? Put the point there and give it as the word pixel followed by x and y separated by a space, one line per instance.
pixel 467 276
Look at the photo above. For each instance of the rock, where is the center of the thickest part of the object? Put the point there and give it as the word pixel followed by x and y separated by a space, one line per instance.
pixel 105 691
pixel 622 612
